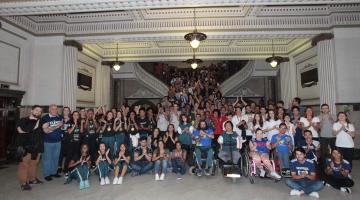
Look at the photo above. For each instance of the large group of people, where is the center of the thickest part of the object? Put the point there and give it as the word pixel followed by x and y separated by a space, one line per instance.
pixel 193 120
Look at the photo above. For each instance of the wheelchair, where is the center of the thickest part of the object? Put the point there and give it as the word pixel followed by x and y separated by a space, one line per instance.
pixel 255 171
pixel 242 168
pixel 196 168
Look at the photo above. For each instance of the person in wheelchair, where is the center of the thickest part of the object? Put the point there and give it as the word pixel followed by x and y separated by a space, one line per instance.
pixel 203 137
pixel 259 152
pixel 230 144
pixel 282 144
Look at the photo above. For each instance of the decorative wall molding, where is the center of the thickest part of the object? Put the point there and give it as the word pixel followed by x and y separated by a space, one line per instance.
pixel 16 7
pixel 73 43
pixel 321 37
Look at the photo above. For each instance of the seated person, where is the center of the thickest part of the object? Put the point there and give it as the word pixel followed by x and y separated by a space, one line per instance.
pixel 259 152
pixel 160 157
pixel 303 175
pixel 203 138
pixel 311 147
pixel 121 163
pixel 282 143
pixel 142 159
pixel 337 172
pixel 178 158
pixel 230 143
pixel 79 168
pixel 103 164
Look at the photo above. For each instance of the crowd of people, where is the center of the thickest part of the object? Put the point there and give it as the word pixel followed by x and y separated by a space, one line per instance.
pixel 194 119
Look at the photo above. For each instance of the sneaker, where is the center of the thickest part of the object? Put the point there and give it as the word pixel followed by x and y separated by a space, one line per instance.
pixel 86 184
pixel 326 184
pixel 207 172
pixel 262 173
pixel 82 185
pixel 179 177
pixel 157 177
pixel 120 180
pixel 199 172
pixel 36 182
pixel 66 175
pixel 162 177
pixel 107 180
pixel 275 175
pixel 56 175
pixel 48 178
pixel 134 174
pixel 102 181
pixel 115 180
pixel 294 192
pixel 314 194
pixel 25 187
pixel 345 189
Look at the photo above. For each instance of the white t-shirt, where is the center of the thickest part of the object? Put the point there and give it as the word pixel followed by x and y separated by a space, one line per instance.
pixel 344 139
pixel 268 125
pixel 306 123
pixel 174 119
pixel 162 122
pixel 290 132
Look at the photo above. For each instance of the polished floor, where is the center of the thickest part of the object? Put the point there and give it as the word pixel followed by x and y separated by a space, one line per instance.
pixel 144 187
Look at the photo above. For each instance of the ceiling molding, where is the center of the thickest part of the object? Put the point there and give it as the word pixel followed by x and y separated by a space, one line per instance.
pixel 35 7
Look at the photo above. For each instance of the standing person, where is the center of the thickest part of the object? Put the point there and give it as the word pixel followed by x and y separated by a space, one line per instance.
pixel 299 139
pixel 271 124
pixel 178 160
pixel 174 116
pixel 162 121
pixel 108 133
pixel 90 129
pixel 160 158
pixel 120 125
pixel 327 139
pixel 185 131
pixel 303 175
pixel 310 122
pixel 337 172
pixel 239 121
pixel 133 131
pixel 74 133
pixel 143 123
pixel 64 139
pixel 345 134
pixel 52 124
pixel 30 140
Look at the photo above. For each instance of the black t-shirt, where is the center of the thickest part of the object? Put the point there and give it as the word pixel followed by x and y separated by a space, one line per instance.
pixel 33 138
pixel 143 122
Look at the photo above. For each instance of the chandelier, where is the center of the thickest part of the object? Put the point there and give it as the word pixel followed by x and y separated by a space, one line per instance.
pixel 195 37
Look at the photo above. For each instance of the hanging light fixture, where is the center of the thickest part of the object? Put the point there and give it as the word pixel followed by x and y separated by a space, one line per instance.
pixel 274 61
pixel 117 64
pixel 194 63
pixel 195 37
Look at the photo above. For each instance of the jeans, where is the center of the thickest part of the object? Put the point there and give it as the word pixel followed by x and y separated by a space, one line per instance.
pixel 118 140
pixel 109 143
pixel 305 185
pixel 141 167
pixel 178 166
pixel 50 158
pixel 209 158
pixel 103 169
pixel 161 166
pixel 284 160
pixel 338 182
pixel 225 156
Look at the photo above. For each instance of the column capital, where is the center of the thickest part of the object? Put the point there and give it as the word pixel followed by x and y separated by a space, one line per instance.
pixel 321 37
pixel 73 43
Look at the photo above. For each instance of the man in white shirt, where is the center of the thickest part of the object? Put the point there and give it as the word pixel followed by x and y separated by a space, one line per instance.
pixel 239 122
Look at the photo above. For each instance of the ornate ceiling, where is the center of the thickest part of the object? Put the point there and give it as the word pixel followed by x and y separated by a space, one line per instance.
pixel 152 30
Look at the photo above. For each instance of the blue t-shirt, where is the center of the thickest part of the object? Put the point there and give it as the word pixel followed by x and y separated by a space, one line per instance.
pixel 282 146
pixel 337 167
pixel 261 145
pixel 204 141
pixel 297 167
pixel 54 136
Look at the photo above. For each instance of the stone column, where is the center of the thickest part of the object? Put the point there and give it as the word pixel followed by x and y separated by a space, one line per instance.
pixel 71 49
pixel 288 81
pixel 326 69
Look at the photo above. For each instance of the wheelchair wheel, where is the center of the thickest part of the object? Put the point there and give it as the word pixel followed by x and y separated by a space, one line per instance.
pixel 192 170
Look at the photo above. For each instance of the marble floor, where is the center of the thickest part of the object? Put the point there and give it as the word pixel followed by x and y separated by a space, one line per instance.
pixel 145 187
